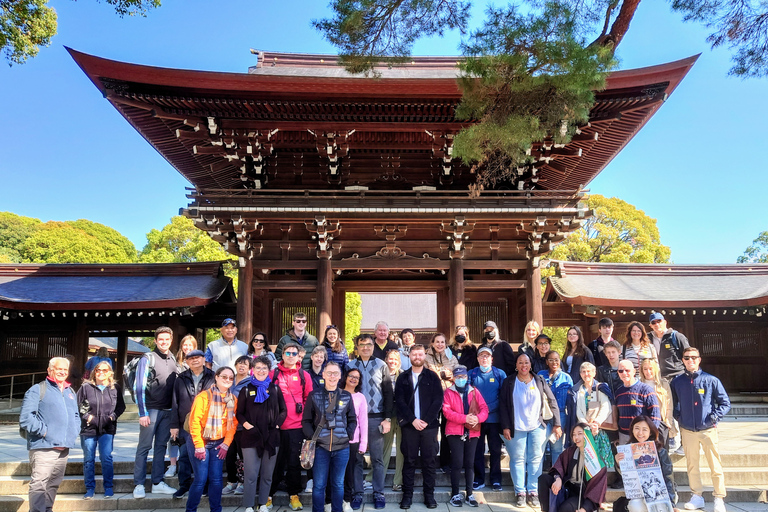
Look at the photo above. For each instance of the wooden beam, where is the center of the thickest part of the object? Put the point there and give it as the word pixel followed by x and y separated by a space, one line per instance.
pixel 286 285
pixel 405 263
pixel 472 284
pixel 340 126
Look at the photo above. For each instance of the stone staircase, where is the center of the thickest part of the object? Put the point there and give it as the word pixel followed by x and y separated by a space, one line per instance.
pixel 746 477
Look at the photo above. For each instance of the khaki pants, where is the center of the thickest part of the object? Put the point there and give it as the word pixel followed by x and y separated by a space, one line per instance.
pixel 707 440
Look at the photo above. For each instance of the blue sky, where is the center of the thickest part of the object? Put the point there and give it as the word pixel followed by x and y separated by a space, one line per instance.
pixel 67 154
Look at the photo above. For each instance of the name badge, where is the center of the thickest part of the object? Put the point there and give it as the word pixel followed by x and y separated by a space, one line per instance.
pixel 252 393
pixel 667 345
pixel 458 355
pixel 532 388
pixel 492 380
pixel 295 378
pixel 341 403
pixel 322 381
pixel 633 402
pixel 701 391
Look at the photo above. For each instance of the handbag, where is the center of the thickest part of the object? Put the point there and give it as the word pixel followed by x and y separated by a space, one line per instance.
pixel 611 422
pixel 307 456
pixel 546 410
pixel 663 433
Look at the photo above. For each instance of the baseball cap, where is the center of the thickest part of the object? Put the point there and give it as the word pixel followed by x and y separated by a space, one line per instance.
pixel 656 316
pixel 195 353
pixel 490 323
pixel 228 321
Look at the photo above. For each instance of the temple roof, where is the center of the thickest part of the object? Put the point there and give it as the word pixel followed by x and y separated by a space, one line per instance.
pixel 123 286
pixel 306 124
pixel 657 286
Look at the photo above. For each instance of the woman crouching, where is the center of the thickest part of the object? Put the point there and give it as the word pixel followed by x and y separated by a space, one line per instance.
pixel 571 492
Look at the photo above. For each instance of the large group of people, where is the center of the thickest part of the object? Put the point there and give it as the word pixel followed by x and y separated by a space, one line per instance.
pixel 240 405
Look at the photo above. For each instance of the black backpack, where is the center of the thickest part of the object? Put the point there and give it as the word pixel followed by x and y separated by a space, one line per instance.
pixel 129 372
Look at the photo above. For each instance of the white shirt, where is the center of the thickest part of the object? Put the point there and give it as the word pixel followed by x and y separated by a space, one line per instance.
pixel 416 401
pixel 527 400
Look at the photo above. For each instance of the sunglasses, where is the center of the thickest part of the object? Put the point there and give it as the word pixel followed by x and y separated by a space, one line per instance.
pixel 301 321
pixel 226 377
pixel 258 340
pixel 291 354
pixel 689 358
pixel 102 370
pixel 623 371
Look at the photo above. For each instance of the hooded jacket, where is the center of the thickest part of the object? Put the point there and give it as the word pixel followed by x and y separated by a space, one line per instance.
pixel 504 357
pixel 700 400
pixel 105 406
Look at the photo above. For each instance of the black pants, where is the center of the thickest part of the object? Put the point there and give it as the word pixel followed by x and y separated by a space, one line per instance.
pixel 415 442
pixel 349 475
pixel 571 504
pixel 232 454
pixel 445 447
pixel 492 432
pixel 288 465
pixel 463 456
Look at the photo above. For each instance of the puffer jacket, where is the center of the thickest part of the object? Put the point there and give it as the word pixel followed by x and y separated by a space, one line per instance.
pixel 342 419
pixel 453 409
pixel 105 406
pixel 52 422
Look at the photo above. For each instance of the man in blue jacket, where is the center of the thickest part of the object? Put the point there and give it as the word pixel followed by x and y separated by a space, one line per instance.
pixel 700 402
pixel 50 419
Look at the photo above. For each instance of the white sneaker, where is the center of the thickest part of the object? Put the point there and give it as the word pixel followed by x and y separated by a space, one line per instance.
pixel 139 492
pixel 719 505
pixel 309 486
pixel 345 508
pixel 696 502
pixel 249 509
pixel 229 488
pixel 327 507
pixel 263 508
pixel 170 472
pixel 162 488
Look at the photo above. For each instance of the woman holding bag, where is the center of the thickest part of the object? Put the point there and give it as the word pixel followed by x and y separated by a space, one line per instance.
pixel 260 410
pixel 212 427
pixel 464 409
pixel 590 403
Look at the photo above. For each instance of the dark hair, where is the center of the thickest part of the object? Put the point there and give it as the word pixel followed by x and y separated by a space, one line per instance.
pixel 550 352
pixel 605 322
pixel 266 343
pixel 581 348
pixel 407 329
pixel 434 337
pixel 221 369
pixel 581 425
pixel 644 341
pixel 163 329
pixel 692 349
pixel 614 344
pixel 362 337
pixel 244 359
pixel 263 360
pixel 291 344
pixel 339 344
pixel 654 431
pixel 299 315
pixel 359 386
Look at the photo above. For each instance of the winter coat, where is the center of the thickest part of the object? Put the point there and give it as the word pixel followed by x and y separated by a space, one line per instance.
pixel 453 409
pixel 430 398
pixel 308 342
pixel 105 406
pixel 184 394
pixel 273 409
pixel 439 363
pixel 198 417
pixel 338 426
pixel 700 400
pixel 52 422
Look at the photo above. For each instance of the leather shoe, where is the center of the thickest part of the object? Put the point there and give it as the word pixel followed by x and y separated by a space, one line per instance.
pixel 430 503
pixel 406 503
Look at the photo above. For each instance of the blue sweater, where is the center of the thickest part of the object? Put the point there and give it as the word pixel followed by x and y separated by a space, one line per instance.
pixel 52 422
pixel 489 385
pixel 560 386
pixel 700 400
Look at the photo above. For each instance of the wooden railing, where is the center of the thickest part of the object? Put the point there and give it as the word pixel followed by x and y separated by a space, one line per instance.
pixel 13 387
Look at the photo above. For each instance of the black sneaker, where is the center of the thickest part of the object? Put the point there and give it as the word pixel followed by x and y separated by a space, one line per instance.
pixel 520 501
pixel 478 485
pixel 180 493
pixel 456 500
pixel 497 487
pixel 406 503
pixel 471 500
pixel 533 501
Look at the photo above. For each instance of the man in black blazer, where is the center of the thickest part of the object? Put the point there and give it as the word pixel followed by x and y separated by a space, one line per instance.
pixel 418 400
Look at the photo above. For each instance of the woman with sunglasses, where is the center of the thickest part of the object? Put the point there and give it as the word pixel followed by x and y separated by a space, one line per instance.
pixel 260 347
pixel 212 427
pixel 353 478
pixel 101 403
pixel 261 410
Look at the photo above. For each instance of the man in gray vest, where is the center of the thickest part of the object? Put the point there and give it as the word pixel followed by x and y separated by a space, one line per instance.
pixel 225 350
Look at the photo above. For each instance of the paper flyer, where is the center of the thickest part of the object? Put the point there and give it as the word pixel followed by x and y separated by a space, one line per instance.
pixel 642 476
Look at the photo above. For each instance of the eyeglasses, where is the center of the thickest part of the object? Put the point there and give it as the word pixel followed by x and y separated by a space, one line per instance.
pixel 261 369
pixel 102 370
pixel 573 334
pixel 226 377
pixel 291 354
pixel 258 340
pixel 301 321
pixel 553 360
pixel 365 345
pixel 333 374
pixel 690 358
pixel 353 377
pixel 623 371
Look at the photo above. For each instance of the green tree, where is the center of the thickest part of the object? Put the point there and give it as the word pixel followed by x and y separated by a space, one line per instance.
pixel 353 317
pixel 26 25
pixel 14 230
pixel 757 252
pixel 80 241
pixel 617 232
pixel 181 242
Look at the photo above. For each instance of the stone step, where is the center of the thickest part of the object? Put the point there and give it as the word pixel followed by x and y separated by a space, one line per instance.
pixel 741 410
pixel 125 501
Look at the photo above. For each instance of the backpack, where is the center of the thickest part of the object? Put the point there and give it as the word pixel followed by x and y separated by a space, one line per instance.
pixel 129 372
pixel 43 387
pixel 301 376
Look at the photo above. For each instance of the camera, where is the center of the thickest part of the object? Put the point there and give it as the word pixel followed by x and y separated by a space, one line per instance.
pixel 299 408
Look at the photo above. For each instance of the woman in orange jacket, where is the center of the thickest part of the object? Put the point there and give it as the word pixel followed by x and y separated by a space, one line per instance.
pixel 212 426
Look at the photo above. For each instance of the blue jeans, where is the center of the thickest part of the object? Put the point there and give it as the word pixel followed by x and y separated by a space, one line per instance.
pixel 104 442
pixel 526 450
pixel 329 469
pixel 211 471
pixel 555 448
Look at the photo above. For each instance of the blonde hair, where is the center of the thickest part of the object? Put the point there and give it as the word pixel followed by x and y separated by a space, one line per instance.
pixel 110 375
pixel 180 357
pixel 535 325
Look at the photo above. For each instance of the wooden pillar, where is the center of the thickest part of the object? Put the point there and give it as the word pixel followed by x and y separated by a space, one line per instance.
pixel 340 311
pixel 443 314
pixel 80 343
pixel 324 295
pixel 122 354
pixel 533 307
pixel 456 290
pixel 245 300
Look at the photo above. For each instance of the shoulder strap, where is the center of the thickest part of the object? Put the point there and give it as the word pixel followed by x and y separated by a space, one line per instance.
pixel 675 343
pixel 43 388
pixel 623 351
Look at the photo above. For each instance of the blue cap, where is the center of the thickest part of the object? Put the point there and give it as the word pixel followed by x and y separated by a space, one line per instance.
pixel 228 321
pixel 195 353
pixel 460 371
pixel 656 316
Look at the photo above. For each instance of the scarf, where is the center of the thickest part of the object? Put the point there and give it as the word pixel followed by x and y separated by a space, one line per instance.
pixel 214 428
pixel 261 389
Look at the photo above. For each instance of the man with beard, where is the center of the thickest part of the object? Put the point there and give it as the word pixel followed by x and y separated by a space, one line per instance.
pixel 418 401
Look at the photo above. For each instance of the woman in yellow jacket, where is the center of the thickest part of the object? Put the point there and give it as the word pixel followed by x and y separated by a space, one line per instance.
pixel 212 426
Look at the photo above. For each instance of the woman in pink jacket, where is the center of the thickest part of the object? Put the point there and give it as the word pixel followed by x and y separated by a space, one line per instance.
pixel 464 409
pixel 353 479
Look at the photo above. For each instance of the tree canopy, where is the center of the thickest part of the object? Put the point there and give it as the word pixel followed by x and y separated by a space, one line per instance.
pixel 14 230
pixel 80 241
pixel 617 233
pixel 757 252
pixel 26 25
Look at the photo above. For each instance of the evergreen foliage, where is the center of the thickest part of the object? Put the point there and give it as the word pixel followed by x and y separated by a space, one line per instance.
pixel 353 317
pixel 757 252
pixel 80 241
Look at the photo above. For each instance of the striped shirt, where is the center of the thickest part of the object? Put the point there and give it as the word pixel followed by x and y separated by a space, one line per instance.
pixel 638 399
